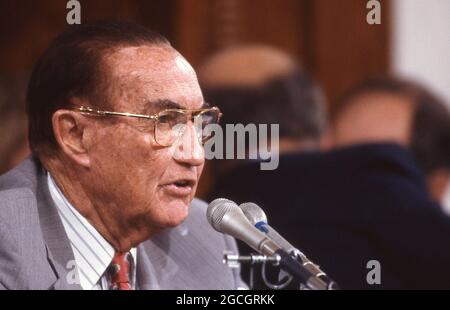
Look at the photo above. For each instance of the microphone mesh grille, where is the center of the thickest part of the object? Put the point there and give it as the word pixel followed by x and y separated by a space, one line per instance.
pixel 253 212
pixel 219 213
pixel 213 217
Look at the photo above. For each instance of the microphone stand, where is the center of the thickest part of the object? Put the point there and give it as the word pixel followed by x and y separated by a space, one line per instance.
pixel 301 271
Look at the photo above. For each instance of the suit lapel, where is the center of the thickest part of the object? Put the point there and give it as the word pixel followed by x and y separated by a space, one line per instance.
pixel 155 267
pixel 59 251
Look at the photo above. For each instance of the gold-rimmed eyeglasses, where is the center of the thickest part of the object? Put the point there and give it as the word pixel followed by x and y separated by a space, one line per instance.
pixel 169 124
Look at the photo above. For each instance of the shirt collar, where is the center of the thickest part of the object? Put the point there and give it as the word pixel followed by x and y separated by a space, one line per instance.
pixel 93 254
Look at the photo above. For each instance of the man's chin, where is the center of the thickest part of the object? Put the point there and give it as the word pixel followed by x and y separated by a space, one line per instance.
pixel 177 212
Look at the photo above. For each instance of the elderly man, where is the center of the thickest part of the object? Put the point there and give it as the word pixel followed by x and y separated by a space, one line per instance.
pixel 106 200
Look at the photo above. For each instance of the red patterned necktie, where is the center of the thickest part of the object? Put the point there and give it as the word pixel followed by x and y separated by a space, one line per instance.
pixel 120 271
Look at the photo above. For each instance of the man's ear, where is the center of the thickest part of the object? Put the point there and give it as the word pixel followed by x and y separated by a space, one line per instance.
pixel 437 182
pixel 69 130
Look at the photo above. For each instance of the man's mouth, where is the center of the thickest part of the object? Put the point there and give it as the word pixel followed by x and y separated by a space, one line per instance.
pixel 184 183
pixel 180 188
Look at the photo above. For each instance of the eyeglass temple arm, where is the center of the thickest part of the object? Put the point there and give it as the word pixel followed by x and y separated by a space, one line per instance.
pixel 90 110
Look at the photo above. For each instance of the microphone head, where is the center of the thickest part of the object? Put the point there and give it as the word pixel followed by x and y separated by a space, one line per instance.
pixel 218 209
pixel 226 217
pixel 253 212
pixel 213 205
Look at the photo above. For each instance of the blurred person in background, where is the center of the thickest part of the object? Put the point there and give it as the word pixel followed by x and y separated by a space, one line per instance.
pixel 403 112
pixel 13 122
pixel 256 84
pixel 345 208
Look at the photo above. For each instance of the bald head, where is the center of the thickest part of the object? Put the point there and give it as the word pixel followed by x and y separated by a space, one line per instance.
pixel 375 117
pixel 246 66
pixel 262 85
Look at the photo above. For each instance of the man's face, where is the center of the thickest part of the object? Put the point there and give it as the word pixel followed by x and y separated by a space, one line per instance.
pixel 144 185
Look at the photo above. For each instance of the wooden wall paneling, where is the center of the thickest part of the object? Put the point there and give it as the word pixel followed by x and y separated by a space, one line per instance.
pixel 192 28
pixel 27 27
pixel 277 23
pixel 343 48
pixel 203 26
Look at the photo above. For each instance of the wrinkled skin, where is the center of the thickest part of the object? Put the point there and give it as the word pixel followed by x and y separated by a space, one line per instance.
pixel 126 187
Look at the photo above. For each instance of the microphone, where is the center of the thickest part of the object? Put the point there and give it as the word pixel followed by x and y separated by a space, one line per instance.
pixel 226 217
pixel 257 217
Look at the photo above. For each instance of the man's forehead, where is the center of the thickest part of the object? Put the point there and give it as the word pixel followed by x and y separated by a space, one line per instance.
pixel 154 73
pixel 147 59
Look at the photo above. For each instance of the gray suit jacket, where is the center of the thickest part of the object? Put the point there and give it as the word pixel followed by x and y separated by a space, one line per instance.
pixel 35 252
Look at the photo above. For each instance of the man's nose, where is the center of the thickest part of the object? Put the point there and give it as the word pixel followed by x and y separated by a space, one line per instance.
pixel 188 148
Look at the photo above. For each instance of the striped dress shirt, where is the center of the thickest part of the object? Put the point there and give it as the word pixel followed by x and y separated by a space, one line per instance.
pixel 93 254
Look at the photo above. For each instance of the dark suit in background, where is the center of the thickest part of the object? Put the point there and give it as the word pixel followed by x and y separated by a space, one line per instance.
pixel 348 207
